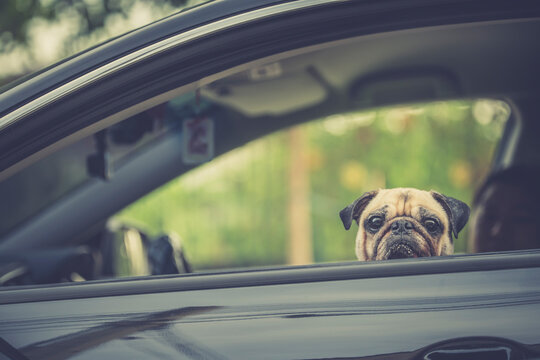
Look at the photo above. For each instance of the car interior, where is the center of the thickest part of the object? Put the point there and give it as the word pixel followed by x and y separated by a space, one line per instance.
pixel 68 216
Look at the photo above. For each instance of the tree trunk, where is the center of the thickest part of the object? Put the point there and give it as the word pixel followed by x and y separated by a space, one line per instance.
pixel 300 241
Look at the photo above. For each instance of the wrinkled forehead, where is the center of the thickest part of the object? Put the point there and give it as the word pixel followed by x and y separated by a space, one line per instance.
pixel 405 202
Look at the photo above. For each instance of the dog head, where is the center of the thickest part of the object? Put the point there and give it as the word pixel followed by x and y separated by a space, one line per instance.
pixel 405 222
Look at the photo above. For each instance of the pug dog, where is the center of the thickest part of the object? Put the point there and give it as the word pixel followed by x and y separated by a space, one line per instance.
pixel 405 223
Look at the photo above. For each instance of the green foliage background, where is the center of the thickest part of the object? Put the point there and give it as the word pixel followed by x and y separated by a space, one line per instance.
pixel 233 211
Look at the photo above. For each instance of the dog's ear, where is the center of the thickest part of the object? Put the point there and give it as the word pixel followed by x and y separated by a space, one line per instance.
pixel 458 212
pixel 354 210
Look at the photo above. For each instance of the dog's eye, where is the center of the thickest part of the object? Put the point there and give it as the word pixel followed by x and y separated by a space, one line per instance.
pixel 375 223
pixel 431 225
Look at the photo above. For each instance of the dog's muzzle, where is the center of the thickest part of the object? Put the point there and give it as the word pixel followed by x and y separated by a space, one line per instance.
pixel 402 249
pixel 401 243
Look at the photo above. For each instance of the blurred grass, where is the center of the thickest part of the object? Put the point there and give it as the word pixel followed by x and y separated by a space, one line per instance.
pixel 232 211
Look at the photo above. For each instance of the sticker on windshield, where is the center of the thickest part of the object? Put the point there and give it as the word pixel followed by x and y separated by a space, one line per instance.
pixel 198 140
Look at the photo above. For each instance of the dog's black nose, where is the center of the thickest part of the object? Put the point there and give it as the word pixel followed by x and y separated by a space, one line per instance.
pixel 401 226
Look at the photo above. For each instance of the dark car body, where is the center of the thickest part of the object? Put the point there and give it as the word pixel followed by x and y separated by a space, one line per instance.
pixel 479 306
pixel 483 305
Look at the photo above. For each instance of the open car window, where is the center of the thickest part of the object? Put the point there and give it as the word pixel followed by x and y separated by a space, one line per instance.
pixel 276 200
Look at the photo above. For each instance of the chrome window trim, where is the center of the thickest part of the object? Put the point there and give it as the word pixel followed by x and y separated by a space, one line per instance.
pixel 152 50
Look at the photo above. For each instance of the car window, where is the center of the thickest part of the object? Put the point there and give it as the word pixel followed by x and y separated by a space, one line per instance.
pixel 273 200
pixel 276 200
